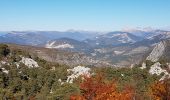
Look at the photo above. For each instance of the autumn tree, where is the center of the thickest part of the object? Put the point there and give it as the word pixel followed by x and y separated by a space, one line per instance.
pixel 160 90
pixel 96 88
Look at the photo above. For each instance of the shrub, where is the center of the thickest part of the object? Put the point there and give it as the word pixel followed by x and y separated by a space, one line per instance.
pixel 160 90
pixel 4 50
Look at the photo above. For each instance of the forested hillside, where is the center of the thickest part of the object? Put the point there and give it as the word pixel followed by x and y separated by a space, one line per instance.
pixel 24 76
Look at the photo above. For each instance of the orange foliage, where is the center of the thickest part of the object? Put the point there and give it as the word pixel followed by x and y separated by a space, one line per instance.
pixel 31 97
pixel 96 89
pixel 77 97
pixel 161 90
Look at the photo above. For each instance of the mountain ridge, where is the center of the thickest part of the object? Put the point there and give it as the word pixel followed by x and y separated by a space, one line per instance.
pixel 119 48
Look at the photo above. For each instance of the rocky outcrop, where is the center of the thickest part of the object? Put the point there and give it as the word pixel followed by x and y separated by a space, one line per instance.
pixel 156 69
pixel 29 62
pixel 76 72
pixel 143 66
pixel 157 52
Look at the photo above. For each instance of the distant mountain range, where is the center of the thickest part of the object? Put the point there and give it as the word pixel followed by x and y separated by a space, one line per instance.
pixel 35 38
pixel 120 48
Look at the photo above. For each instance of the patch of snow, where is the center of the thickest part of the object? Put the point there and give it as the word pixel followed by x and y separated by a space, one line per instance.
pixel 62 46
pixel 164 35
pixel 152 37
pixel 124 38
pixel 97 43
pixel 76 72
pixel 49 45
pixel 118 52
pixel 29 62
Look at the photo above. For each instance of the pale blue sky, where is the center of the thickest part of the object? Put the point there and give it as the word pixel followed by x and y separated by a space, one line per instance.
pixel 92 15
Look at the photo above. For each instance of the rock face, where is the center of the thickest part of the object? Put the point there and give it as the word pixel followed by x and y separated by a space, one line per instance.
pixel 76 72
pixel 157 52
pixel 143 66
pixel 4 70
pixel 156 69
pixel 29 62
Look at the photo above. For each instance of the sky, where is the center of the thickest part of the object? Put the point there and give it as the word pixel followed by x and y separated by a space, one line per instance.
pixel 90 15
